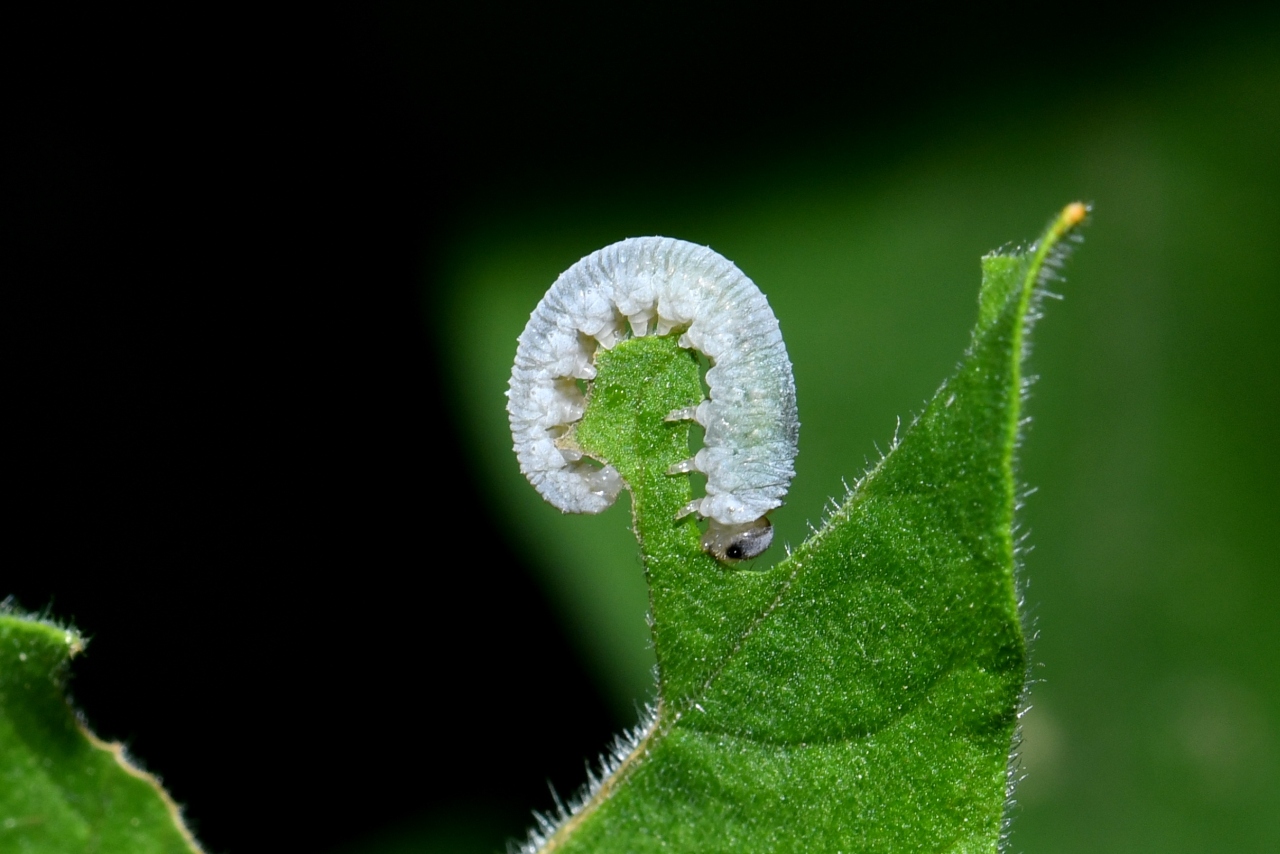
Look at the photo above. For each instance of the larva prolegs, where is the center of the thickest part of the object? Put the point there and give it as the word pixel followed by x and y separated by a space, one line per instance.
pixel 689 413
pixel 650 287
pixel 684 466
pixel 689 509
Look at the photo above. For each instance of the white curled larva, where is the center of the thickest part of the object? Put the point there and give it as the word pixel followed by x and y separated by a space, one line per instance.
pixel 657 285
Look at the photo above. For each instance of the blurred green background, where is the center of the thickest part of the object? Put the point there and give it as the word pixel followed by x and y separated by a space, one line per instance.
pixel 1152 587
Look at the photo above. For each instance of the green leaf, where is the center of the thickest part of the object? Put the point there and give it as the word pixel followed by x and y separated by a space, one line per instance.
pixel 862 694
pixel 63 789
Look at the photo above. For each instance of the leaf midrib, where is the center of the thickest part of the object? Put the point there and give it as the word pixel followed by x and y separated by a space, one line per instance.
pixel 857 496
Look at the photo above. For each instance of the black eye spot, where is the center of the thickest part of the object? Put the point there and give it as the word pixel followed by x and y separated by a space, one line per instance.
pixel 734 552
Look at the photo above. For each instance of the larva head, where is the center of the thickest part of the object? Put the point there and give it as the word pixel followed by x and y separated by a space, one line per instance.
pixel 737 542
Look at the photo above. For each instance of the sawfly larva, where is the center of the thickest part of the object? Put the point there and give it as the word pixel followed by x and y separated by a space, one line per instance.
pixel 656 286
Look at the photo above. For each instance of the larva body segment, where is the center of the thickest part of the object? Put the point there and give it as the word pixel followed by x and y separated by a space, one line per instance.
pixel 657 285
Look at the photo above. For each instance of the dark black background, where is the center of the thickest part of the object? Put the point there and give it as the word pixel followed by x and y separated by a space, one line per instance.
pixel 230 435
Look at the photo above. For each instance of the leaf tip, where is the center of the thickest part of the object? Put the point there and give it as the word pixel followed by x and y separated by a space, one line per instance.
pixel 72 639
pixel 1071 216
